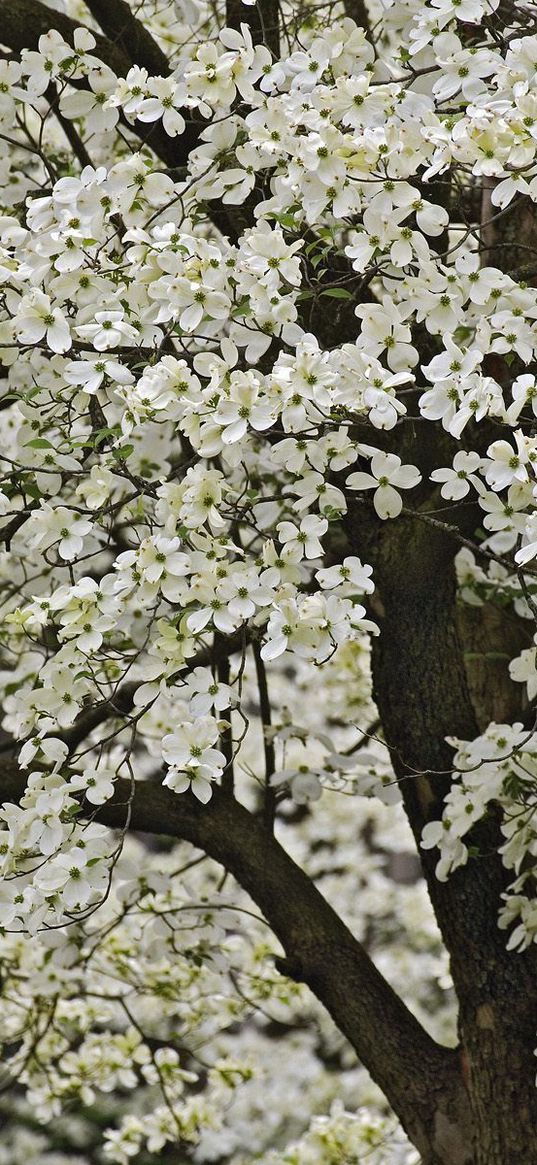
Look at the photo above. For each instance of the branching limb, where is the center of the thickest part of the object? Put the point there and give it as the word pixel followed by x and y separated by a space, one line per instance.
pixel 121 26
pixel 75 141
pixel 421 1079
pixel 22 22
pixel 122 703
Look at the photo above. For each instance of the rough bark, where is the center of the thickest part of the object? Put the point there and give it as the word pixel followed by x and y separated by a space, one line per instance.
pixel 262 18
pixel 491 637
pixel 120 25
pixel 22 22
pixel 422 693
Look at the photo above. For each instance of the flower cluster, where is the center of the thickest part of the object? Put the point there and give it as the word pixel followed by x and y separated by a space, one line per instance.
pixel 246 299
pixel 498 767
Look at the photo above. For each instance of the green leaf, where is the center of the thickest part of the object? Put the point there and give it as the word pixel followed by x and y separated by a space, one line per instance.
pixel 123 453
pixel 101 435
pixel 337 293
pixel 240 309
pixel 38 443
pixel 286 220
pixel 33 491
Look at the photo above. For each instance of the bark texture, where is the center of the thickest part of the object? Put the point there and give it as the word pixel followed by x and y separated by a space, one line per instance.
pixel 422 691
pixel 22 22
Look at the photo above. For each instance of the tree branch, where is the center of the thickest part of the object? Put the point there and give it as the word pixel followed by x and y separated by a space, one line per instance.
pixel 22 22
pixel 421 1079
pixel 269 804
pixel 123 701
pixel 121 26
pixel 262 18
pixel 357 10
pixel 69 129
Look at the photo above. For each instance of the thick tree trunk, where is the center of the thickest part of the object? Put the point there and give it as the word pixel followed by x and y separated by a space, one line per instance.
pixel 422 694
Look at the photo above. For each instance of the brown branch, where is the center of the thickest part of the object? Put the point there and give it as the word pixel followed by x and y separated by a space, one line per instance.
pixel 122 703
pixel 420 1078
pixel 269 805
pixel 23 22
pixel 421 691
pixel 262 18
pixel 121 26
pixel 357 11
pixel 75 141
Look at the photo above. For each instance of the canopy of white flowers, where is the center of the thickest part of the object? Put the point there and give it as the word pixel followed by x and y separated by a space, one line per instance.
pixel 229 290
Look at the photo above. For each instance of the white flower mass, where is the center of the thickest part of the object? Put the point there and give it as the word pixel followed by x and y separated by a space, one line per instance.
pixel 230 289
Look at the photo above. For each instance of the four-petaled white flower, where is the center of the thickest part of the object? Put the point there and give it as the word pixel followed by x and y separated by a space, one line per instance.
pixel 456 481
pixel 109 330
pixel 352 576
pixel 387 476
pixel 38 319
pixel 194 764
pixel 304 541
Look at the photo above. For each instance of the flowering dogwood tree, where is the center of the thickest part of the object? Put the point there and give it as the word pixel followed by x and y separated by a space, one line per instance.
pixel 268 417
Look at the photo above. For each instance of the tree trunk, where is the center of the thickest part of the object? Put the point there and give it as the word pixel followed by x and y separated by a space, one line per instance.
pixel 421 690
